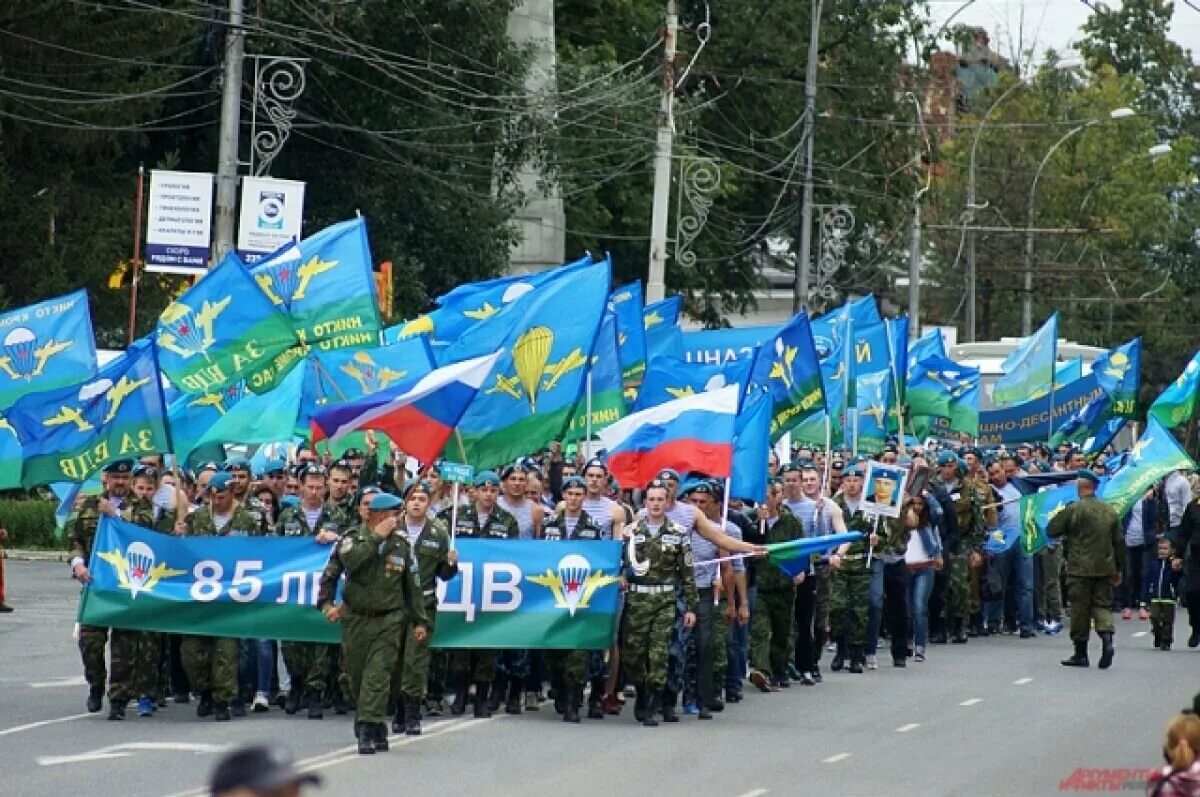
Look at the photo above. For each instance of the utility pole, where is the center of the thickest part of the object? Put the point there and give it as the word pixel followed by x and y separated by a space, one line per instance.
pixel 804 256
pixel 914 272
pixel 656 287
pixel 231 119
pixel 970 275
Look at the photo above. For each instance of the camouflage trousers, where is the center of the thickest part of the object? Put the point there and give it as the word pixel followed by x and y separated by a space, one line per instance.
pixel 372 647
pixel 435 683
pixel 677 649
pixel 720 645
pixel 412 663
pixel 92 641
pixel 1048 595
pixel 134 671
pixel 849 602
pixel 958 585
pixel 1162 620
pixel 211 665
pixel 1091 602
pixel 648 622
pixel 308 665
pixel 821 607
pixel 771 631
pixel 473 666
pixel 568 668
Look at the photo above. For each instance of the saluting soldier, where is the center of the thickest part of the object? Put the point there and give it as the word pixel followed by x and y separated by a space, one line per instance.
pixel 481 518
pixel 569 668
pixel 211 662
pixel 658 560
pixel 433 559
pixel 308 662
pixel 92 639
pixel 381 597
pixel 1095 546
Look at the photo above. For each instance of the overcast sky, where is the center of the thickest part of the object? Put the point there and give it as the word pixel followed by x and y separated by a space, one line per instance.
pixel 1048 24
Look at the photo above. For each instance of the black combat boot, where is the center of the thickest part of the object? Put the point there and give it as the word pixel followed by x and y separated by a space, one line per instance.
pixel 639 705
pixel 649 718
pixel 1107 651
pixel 482 708
pixel 512 705
pixel 116 710
pixel 596 700
pixel 459 706
pixel 221 711
pixel 95 699
pixel 496 694
pixel 412 716
pixel 668 706
pixel 572 699
pixel 366 738
pixel 960 633
pixel 205 707
pixel 400 716
pixel 292 704
pixel 1080 659
pixel 857 658
pixel 315 710
pixel 381 737
pixel 839 658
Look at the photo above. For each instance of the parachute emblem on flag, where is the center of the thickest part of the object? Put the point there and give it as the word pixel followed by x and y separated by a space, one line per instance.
pixel 286 282
pixel 1118 364
pixel 531 355
pixel 185 332
pixel 23 358
pixel 99 403
pixel 369 375
pixel 782 367
pixel 136 568
pixel 574 584
pixel 222 401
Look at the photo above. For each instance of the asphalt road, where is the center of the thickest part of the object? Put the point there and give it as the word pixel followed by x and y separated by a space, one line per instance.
pixel 998 716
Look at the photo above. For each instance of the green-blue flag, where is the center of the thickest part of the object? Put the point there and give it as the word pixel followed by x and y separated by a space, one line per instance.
pixel 1152 457
pixel 627 303
pixel 1176 405
pixel 46 345
pixel 1029 371
pixel 788 366
pixel 1038 509
pixel 1118 372
pixel 607 386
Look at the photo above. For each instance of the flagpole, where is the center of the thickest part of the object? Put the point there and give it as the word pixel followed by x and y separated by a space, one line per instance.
pixel 848 358
pixel 725 503
pixel 828 449
pixel 454 517
pixel 137 255
pixel 588 408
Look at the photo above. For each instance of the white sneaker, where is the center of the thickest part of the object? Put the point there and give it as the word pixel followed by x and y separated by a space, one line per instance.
pixel 872 662
pixel 261 703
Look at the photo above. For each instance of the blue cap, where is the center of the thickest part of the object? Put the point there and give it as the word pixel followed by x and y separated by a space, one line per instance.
pixel 289 501
pixel 219 482
pixel 385 501
pixel 486 478
pixel 1088 476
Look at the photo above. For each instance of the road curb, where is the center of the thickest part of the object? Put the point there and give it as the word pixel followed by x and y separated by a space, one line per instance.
pixel 35 556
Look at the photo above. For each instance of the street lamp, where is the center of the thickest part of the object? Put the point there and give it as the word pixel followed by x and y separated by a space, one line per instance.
pixel 1027 293
pixel 1064 65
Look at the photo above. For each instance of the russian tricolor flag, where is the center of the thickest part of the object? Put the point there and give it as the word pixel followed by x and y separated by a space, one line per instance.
pixel 694 433
pixel 418 419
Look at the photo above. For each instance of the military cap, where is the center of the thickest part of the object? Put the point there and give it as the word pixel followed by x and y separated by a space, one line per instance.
pixel 596 462
pixel 1087 475
pixel 486 478
pixel 667 473
pixel 220 482
pixel 947 458
pixel 258 769
pixel 791 467
pixel 508 470
pixel 275 466
pixel 237 463
pixel 145 470
pixel 656 484
pixel 852 469
pixel 310 469
pixel 697 487
pixel 120 466
pixel 382 502
pixel 836 463
pixel 573 482
pixel 370 489
pixel 421 485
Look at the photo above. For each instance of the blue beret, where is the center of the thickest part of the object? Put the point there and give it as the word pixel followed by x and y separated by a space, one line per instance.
pixel 274 466
pixel 573 482
pixel 289 501
pixel 947 458
pixel 852 470
pixel 668 473
pixel 596 462
pixel 486 477
pixel 219 482
pixel 1087 475
pixel 421 485
pixel 237 463
pixel 384 501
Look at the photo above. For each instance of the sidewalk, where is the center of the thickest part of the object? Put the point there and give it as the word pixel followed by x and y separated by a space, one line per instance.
pixel 17 554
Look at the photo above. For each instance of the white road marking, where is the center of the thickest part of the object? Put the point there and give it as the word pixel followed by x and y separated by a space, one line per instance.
pixel 73 680
pixel 972 701
pixel 1140 633
pixel 1022 681
pixel 754 793
pixel 125 750
pixel 912 726
pixel 30 726
pixel 833 759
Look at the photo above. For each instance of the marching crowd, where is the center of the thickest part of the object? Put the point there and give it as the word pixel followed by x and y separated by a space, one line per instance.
pixel 704 612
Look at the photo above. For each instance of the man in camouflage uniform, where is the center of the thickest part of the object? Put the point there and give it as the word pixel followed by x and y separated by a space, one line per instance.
pixel 772 620
pixel 137 655
pixel 569 668
pixel 92 639
pixel 658 561
pixel 381 597
pixel 968 499
pixel 977 479
pixel 341 506
pixel 429 539
pixel 211 662
pixel 308 662
pixel 851 586
pixel 481 518
pixel 1095 546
